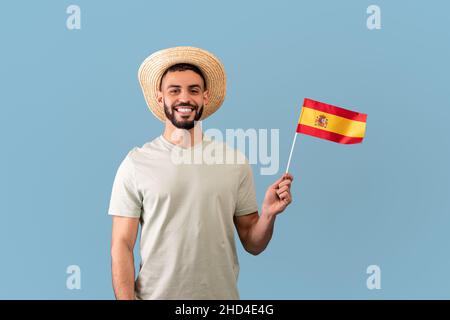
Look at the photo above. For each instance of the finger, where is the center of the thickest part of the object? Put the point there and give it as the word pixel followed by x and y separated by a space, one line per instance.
pixel 287 198
pixel 282 189
pixel 276 183
pixel 283 178
pixel 286 182
pixel 284 195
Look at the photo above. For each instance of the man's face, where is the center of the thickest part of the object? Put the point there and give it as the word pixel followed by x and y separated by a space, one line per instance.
pixel 183 96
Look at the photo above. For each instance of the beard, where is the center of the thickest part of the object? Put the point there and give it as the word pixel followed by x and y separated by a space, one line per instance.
pixel 183 124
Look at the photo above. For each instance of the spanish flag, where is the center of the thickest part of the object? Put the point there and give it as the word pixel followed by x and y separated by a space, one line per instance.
pixel 332 123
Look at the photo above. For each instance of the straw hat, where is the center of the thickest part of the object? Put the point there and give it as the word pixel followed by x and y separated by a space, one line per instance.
pixel 153 67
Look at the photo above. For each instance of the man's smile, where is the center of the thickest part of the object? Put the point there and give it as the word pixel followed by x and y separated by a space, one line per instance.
pixel 184 110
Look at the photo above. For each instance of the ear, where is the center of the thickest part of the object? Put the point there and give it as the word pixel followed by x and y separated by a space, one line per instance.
pixel 206 97
pixel 160 99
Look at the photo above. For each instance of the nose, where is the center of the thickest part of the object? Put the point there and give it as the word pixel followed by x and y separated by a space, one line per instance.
pixel 185 97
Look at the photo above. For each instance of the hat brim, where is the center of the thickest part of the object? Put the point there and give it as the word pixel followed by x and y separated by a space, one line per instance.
pixel 153 67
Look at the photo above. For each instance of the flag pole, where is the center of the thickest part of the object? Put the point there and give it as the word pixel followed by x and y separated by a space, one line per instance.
pixel 292 149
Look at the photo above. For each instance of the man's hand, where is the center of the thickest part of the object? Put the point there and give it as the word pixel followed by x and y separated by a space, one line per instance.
pixel 256 231
pixel 278 196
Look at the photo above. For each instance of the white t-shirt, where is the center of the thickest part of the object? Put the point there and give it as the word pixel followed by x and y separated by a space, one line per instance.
pixel 186 213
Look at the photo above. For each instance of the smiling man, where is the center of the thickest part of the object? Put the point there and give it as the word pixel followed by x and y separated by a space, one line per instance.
pixel 185 112
pixel 187 212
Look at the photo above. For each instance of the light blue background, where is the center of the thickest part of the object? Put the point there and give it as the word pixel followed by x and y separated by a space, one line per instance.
pixel 71 108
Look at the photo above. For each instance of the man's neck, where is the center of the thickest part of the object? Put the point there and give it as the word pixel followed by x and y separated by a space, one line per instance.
pixel 182 137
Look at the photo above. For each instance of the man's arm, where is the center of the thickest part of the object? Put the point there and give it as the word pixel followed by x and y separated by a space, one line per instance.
pixel 256 231
pixel 124 232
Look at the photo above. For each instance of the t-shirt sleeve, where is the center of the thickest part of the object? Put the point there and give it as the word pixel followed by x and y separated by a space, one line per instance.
pixel 126 200
pixel 246 199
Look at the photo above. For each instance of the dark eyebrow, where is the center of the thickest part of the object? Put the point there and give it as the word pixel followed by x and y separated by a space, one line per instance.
pixel 192 86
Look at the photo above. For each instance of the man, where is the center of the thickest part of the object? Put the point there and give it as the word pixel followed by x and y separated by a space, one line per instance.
pixel 187 211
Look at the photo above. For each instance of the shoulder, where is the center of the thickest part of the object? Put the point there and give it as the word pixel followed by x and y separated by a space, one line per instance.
pixel 148 148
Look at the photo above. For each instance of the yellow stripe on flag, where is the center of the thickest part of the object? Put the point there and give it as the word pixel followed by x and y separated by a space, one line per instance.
pixel 336 124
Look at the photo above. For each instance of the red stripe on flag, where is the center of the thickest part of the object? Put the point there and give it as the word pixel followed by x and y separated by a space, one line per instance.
pixel 328 108
pixel 319 133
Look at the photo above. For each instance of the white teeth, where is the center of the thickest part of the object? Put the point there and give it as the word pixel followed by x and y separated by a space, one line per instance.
pixel 184 110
